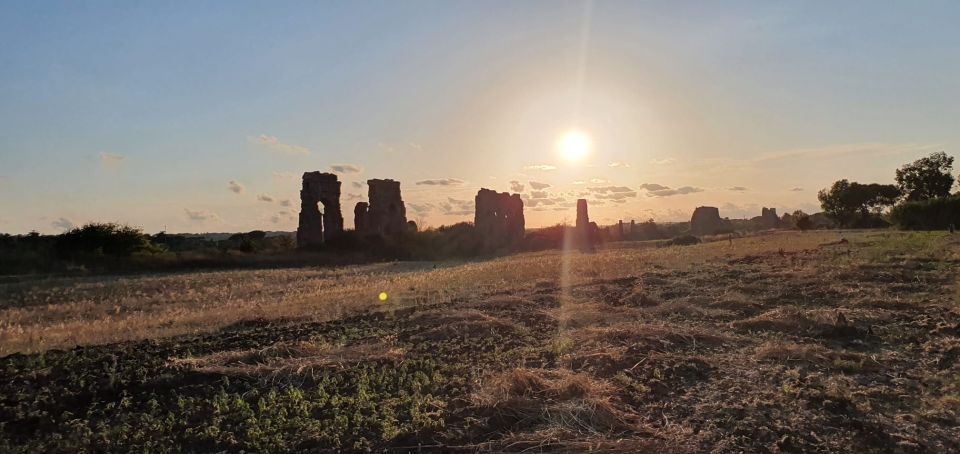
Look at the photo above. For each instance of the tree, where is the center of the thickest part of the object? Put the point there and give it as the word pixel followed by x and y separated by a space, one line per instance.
pixel 926 178
pixel 851 204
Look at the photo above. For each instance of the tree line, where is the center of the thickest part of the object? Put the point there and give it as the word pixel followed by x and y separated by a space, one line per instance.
pixel 920 199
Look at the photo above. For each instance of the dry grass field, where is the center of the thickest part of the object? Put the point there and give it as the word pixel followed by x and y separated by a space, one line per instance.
pixel 787 342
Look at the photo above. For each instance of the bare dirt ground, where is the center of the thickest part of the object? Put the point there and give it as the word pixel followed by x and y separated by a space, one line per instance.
pixel 781 343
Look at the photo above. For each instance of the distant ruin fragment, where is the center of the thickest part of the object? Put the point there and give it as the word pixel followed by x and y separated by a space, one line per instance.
pixel 706 221
pixel 769 219
pixel 384 213
pixel 499 218
pixel 583 230
pixel 316 227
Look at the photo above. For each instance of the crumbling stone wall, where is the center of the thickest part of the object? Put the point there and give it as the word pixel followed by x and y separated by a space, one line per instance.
pixel 706 221
pixel 314 227
pixel 384 213
pixel 499 218
pixel 769 218
pixel 584 230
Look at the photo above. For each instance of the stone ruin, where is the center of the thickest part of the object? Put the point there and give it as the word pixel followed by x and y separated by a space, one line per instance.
pixel 768 218
pixel 316 227
pixel 706 221
pixel 585 233
pixel 499 218
pixel 384 213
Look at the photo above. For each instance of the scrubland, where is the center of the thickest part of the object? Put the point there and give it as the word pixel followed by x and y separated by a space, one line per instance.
pixel 796 342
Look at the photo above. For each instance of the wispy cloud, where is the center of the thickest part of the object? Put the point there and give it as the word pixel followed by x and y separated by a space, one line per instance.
pixel 201 215
pixel 352 196
pixel 606 189
pixel 440 182
pixel 285 202
pixel 265 198
pixel 618 164
pixel 598 181
pixel 738 188
pixel 543 167
pixel 235 187
pixel 657 190
pixel 357 184
pixel 841 150
pixel 539 194
pixel 653 187
pixel 273 144
pixel 538 185
pixel 63 224
pixel 284 175
pixel 111 157
pixel 663 162
pixel 797 189
pixel 516 186
pixel 346 168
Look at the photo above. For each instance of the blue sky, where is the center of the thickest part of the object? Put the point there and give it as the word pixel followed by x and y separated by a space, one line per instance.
pixel 145 112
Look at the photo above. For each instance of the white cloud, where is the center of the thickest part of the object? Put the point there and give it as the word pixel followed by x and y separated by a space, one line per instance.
pixel 63 224
pixel 538 185
pixel 618 164
pixel 284 175
pixel 613 189
pixel 663 162
pixel 516 186
pixel 111 157
pixel 346 168
pixel 544 167
pixel 273 144
pixel 653 187
pixel 440 182
pixel 663 191
pixel 598 180
pixel 235 187
pixel 201 215
pixel 264 198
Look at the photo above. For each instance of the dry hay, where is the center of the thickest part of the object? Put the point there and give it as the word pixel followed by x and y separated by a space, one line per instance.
pixel 290 358
pixel 536 399
pixel 814 354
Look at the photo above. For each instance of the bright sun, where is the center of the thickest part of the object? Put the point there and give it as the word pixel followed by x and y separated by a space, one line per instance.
pixel 574 145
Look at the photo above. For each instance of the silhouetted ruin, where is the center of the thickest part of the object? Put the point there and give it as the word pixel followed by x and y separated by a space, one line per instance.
pixel 584 229
pixel 768 218
pixel 384 213
pixel 314 227
pixel 706 221
pixel 499 218
pixel 360 217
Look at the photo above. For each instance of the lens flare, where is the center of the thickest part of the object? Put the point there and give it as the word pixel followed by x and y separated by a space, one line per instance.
pixel 574 145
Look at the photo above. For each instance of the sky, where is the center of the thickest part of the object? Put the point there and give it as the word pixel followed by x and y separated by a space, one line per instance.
pixel 201 116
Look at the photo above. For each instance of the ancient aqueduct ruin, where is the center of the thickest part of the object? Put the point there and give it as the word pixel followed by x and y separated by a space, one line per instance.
pixel 498 215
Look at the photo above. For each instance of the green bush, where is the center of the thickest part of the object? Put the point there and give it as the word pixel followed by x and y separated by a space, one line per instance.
pixel 933 214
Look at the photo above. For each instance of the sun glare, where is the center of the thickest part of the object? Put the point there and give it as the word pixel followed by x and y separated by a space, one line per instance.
pixel 574 145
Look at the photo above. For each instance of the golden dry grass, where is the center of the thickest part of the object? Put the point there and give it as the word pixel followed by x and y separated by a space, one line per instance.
pixel 64 312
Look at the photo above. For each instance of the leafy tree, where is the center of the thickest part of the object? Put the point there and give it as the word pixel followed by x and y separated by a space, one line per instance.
pixel 926 178
pixel 103 239
pixel 852 203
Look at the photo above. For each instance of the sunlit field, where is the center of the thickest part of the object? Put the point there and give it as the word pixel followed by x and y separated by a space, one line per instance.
pixel 817 341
